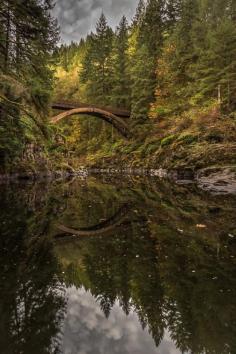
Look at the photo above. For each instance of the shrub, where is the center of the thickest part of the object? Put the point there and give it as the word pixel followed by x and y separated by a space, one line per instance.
pixel 187 138
pixel 215 137
pixel 168 140
pixel 152 147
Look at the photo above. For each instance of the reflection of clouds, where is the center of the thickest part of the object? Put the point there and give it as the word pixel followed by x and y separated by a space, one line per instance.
pixel 78 17
pixel 87 331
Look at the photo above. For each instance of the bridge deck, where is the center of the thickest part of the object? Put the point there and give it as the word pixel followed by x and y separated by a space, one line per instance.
pixel 65 106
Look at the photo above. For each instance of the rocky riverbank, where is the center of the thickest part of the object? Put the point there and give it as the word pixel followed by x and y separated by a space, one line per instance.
pixel 217 180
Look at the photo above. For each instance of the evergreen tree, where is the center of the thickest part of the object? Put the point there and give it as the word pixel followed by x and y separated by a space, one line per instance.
pixel 215 70
pixel 139 15
pixel 142 90
pixel 151 32
pixel 148 49
pixel 28 35
pixel 185 54
pixel 172 13
pixel 97 64
pixel 121 77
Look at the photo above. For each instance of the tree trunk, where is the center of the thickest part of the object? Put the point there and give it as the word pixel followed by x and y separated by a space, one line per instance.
pixel 8 30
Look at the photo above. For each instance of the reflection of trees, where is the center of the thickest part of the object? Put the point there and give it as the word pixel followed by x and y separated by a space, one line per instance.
pixel 32 303
pixel 201 301
pixel 103 228
pixel 117 265
pixel 181 280
pixel 184 281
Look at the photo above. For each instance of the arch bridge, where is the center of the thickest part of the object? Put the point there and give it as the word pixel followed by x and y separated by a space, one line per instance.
pixel 118 118
pixel 106 227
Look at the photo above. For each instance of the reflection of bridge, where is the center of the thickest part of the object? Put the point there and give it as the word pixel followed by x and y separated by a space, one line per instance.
pixel 105 227
pixel 116 117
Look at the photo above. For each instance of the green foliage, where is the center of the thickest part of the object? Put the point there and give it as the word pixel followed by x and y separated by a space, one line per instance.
pixel 28 35
pixel 187 138
pixel 215 136
pixel 216 67
pixel 121 76
pixel 143 85
pixel 174 67
pixel 97 64
pixel 149 148
pixel 168 140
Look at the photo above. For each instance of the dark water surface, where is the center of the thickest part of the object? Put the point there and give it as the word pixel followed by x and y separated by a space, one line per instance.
pixel 101 267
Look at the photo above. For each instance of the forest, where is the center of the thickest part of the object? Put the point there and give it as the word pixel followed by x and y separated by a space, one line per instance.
pixel 118 177
pixel 173 67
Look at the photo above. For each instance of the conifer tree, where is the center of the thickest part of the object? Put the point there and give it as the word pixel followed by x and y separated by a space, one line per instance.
pixel 142 90
pixel 121 77
pixel 152 26
pixel 97 64
pixel 185 54
pixel 139 14
pixel 28 35
pixel 148 48
pixel 172 13
pixel 215 71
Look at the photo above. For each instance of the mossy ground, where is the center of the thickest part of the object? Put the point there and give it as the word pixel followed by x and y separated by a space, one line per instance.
pixel 196 140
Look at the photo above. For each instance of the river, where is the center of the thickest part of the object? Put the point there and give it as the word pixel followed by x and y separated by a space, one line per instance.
pixel 100 265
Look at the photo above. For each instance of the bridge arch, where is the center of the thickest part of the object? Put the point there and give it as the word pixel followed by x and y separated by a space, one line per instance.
pixel 107 116
pixel 104 228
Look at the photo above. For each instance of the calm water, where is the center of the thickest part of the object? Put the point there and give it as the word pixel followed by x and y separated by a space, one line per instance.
pixel 100 266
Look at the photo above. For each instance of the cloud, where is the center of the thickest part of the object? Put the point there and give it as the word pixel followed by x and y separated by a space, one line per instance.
pixel 77 18
pixel 87 331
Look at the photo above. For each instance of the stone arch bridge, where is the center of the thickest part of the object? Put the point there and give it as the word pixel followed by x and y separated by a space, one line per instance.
pixel 118 118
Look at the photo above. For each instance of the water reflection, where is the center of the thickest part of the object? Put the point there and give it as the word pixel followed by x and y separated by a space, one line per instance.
pixel 87 330
pixel 32 302
pixel 127 267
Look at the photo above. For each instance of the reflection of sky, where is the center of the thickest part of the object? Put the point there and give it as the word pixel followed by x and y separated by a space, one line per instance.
pixel 87 331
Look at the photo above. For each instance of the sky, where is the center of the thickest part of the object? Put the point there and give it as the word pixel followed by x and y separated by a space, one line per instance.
pixel 86 330
pixel 77 18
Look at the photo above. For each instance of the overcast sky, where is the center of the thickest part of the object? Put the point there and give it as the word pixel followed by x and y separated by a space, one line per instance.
pixel 86 330
pixel 78 17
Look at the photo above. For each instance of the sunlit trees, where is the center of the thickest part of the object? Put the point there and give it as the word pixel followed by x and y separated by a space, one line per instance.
pixel 176 56
pixel 197 64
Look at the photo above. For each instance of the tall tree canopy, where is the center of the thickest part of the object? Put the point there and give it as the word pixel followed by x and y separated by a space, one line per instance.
pixel 28 35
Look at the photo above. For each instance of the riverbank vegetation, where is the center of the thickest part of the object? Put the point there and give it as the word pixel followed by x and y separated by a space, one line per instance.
pixel 173 67
pixel 28 35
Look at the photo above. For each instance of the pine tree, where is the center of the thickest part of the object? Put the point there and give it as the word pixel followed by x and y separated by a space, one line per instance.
pixel 172 13
pixel 142 90
pixel 121 77
pixel 148 49
pixel 28 35
pixel 232 10
pixel 97 64
pixel 184 55
pixel 151 32
pixel 139 15
pixel 215 71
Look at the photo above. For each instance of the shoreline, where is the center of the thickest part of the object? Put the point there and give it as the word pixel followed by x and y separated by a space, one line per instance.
pixel 214 179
